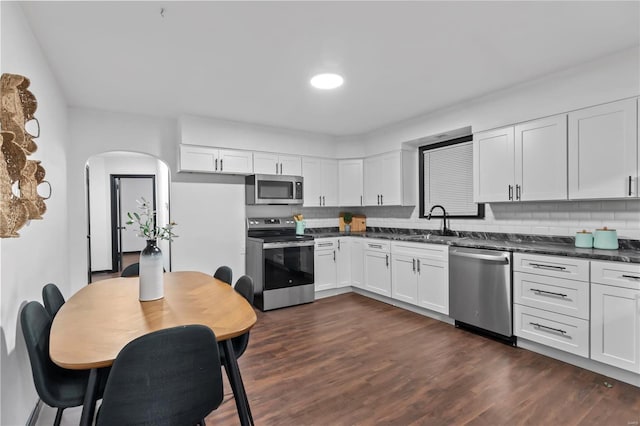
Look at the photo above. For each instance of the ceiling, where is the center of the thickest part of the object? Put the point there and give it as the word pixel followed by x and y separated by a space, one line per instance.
pixel 252 61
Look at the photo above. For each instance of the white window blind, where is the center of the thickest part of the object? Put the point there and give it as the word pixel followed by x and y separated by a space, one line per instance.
pixel 448 179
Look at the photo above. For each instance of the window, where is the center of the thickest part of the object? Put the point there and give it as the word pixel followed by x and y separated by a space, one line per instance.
pixel 446 178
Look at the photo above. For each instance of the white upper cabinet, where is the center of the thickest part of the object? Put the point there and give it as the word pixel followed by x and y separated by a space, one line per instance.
pixel 541 159
pixel 390 179
pixel 493 164
pixel 525 162
pixel 603 151
pixel 320 182
pixel 350 182
pixel 276 164
pixel 214 160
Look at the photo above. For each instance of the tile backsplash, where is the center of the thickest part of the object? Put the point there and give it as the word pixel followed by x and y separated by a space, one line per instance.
pixel 540 218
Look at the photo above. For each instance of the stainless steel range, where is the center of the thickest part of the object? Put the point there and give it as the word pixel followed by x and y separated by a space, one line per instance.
pixel 280 263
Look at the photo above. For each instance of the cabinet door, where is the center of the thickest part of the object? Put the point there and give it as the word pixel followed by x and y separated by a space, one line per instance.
pixel 312 174
pixel 350 189
pixel 266 163
pixel 377 275
pixel 433 285
pixel 615 326
pixel 233 161
pixel 603 151
pixel 343 261
pixel 391 185
pixel 329 183
pixel 357 262
pixel 541 159
pixel 197 158
pixel 372 181
pixel 324 269
pixel 493 164
pixel 404 284
pixel 290 165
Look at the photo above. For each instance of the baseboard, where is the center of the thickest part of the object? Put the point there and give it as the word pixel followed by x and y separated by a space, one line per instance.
pixel 332 292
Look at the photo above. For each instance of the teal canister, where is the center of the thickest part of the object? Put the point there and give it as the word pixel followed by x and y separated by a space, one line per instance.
pixel 605 239
pixel 584 239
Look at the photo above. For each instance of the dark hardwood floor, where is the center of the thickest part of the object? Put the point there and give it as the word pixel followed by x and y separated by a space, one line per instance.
pixel 349 360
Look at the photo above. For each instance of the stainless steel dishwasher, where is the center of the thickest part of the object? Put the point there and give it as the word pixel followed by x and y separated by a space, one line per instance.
pixel 480 291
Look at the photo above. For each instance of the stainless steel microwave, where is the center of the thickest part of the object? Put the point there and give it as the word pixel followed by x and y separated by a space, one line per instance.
pixel 273 189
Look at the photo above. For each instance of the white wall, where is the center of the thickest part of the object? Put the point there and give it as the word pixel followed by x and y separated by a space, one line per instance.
pixel 41 254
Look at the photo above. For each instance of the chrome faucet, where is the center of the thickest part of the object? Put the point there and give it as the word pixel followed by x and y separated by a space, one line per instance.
pixel 445 230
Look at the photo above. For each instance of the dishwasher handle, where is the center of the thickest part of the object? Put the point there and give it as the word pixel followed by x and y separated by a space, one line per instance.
pixel 480 256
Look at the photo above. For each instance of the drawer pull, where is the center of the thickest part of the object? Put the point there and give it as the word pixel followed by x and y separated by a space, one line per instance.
pixel 325 244
pixel 631 277
pixel 548 292
pixel 375 246
pixel 535 324
pixel 542 266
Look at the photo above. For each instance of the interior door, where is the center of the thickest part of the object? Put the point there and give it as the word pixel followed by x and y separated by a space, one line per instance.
pixel 126 190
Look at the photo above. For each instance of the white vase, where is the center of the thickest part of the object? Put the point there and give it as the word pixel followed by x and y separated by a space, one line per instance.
pixel 151 273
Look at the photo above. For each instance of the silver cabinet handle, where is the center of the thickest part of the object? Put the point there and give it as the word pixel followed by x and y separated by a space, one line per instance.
pixel 338 244
pixel 216 166
pixel 381 200
pixel 221 168
pixel 324 202
pixel 378 199
pixel 334 255
pixel 548 292
pixel 361 200
pixel 319 200
pixel 414 264
pixel 510 193
pixel 387 257
pixel 543 266
pixel 375 246
pixel 518 192
pixel 535 324
pixel 325 244
pixel 418 265
pixel 631 277
pixel 280 168
pixel 630 186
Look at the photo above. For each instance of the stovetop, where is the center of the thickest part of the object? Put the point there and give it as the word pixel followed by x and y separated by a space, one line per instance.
pixel 274 229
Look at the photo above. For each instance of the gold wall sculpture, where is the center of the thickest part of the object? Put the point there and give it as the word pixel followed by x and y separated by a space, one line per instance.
pixel 19 176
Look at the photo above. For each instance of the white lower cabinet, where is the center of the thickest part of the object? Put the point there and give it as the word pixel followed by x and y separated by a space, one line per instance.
pixel 420 275
pixel 551 301
pixel 343 262
pixel 377 267
pixel 615 314
pixel 324 264
pixel 357 262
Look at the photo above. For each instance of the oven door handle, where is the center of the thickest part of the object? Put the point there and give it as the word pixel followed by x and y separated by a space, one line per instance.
pixel 288 244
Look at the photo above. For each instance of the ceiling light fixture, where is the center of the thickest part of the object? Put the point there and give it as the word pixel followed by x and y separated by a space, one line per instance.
pixel 327 81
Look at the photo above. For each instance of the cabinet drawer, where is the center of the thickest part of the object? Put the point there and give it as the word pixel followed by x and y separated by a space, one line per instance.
pixel 619 274
pixel 378 245
pixel 567 297
pixel 424 251
pixel 552 266
pixel 325 244
pixel 558 331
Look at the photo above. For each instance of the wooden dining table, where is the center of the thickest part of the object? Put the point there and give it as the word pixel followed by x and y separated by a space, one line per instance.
pixel 93 326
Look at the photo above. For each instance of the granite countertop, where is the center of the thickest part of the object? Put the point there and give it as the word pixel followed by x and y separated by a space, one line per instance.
pixel 629 250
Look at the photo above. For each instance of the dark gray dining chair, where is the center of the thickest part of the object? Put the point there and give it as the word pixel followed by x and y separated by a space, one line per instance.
pixel 52 298
pixel 224 273
pixel 132 270
pixel 57 387
pixel 168 377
